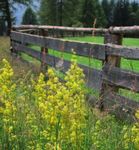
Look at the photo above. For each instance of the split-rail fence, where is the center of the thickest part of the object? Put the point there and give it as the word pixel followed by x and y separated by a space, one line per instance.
pixel 106 81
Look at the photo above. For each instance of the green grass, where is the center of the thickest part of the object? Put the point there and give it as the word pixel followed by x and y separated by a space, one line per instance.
pixel 131 42
pixel 97 39
pixel 132 65
pixel 30 59
pixel 126 41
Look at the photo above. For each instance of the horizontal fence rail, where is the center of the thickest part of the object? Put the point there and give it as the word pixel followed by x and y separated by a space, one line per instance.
pixel 106 81
pixel 81 48
pixel 101 30
pixel 131 30
pixel 121 78
pixel 122 51
pixel 93 81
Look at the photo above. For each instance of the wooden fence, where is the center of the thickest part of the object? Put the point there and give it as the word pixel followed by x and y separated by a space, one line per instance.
pixel 58 31
pixel 107 81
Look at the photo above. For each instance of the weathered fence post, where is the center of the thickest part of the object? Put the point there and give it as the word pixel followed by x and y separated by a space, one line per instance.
pixel 112 61
pixel 14 52
pixel 44 51
pixel 11 46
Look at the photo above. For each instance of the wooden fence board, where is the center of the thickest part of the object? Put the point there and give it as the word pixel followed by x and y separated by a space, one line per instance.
pixel 121 78
pixel 124 30
pixel 28 38
pixel 74 29
pixel 93 76
pixel 115 30
pixel 27 30
pixel 126 52
pixel 22 48
pixel 81 48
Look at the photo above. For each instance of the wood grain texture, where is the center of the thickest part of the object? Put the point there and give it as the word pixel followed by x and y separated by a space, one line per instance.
pixel 114 30
pixel 93 77
pixel 124 30
pixel 81 48
pixel 113 61
pixel 56 28
pixel 122 51
pixel 121 78
pixel 23 48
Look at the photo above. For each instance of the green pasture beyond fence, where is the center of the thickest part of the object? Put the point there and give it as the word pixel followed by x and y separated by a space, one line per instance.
pixel 111 70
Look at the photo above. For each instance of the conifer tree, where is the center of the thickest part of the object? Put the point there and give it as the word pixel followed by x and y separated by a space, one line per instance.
pixel 6 10
pixel 108 6
pixel 48 12
pixel 29 17
pixel 59 12
pixel 88 13
pixel 121 13
pixel 91 10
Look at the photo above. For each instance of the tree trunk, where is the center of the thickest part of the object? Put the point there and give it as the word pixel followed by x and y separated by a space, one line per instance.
pixel 8 17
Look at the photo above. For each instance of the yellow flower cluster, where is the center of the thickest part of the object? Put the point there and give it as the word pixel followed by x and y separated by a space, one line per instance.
pixel 7 106
pixel 62 107
pixel 45 114
pixel 77 109
pixel 131 136
pixel 135 131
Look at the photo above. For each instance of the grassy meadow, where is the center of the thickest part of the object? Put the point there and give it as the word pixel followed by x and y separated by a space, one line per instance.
pixel 56 118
